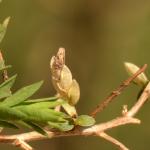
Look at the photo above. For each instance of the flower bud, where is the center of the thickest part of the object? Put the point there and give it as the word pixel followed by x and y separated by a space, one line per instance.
pixel 74 93
pixel 65 78
pixel 65 86
pixel 132 69
pixel 57 62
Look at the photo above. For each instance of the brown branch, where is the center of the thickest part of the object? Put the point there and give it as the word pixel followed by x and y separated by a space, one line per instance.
pixel 91 131
pixel 143 98
pixel 112 140
pixel 96 130
pixel 22 144
pixel 116 92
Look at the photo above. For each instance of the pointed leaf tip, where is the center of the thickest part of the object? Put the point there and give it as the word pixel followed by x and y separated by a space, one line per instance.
pixel 22 95
pixel 6 21
pixel 36 127
pixel 3 28
pixel 6 86
pixel 7 124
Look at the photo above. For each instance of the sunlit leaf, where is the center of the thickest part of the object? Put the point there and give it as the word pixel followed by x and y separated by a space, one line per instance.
pixel 85 120
pixel 6 86
pixel 61 126
pixel 41 105
pixel 10 114
pixel 71 110
pixel 21 95
pixel 3 28
pixel 41 100
pixel 41 115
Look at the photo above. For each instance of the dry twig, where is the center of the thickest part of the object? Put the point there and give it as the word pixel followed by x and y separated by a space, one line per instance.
pixel 116 92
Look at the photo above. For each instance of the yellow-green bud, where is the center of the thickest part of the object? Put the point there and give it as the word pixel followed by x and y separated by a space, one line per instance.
pixel 74 93
pixel 65 86
pixel 131 69
pixel 65 78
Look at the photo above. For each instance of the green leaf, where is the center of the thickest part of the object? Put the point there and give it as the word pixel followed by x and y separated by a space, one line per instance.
pixel 61 126
pixel 6 86
pixel 41 100
pixel 3 28
pixel 4 67
pixel 42 105
pixel 10 114
pixel 21 95
pixel 41 115
pixel 71 110
pixel 7 124
pixel 85 120
pixel 36 128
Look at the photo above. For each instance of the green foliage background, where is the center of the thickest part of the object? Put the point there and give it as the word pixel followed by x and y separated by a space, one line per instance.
pixel 98 36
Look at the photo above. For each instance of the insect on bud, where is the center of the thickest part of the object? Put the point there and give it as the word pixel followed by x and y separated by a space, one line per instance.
pixel 131 69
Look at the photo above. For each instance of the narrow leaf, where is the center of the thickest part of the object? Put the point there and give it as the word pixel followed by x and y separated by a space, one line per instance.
pixel 3 28
pixel 21 95
pixel 41 100
pixel 42 105
pixel 5 67
pixel 6 86
pixel 11 114
pixel 71 110
pixel 7 124
pixel 85 120
pixel 61 126
pixel 36 128
pixel 41 115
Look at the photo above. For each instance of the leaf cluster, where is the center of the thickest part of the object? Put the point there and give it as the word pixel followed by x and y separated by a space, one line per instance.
pixel 19 109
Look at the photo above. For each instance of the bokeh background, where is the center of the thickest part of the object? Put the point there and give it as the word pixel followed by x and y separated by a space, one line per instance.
pixel 99 35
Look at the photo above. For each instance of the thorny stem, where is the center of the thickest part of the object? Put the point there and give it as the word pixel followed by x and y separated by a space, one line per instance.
pixel 116 92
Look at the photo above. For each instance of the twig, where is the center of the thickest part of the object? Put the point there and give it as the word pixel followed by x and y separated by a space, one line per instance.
pixel 91 131
pixel 21 144
pixel 116 92
pixel 112 140
pixel 96 130
pixel 143 98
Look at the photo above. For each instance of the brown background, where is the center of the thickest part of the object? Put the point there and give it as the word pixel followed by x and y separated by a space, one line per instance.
pixel 99 35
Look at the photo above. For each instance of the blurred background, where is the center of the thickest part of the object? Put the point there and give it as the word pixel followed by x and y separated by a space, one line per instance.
pixel 99 35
